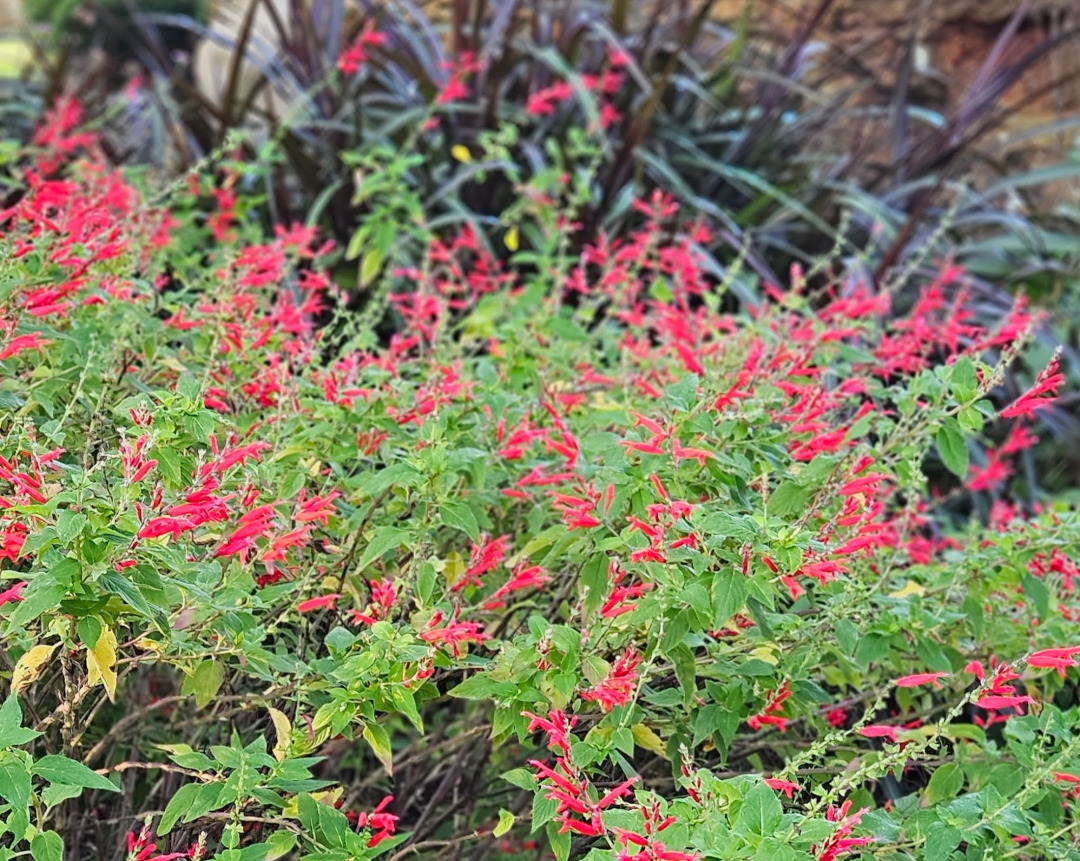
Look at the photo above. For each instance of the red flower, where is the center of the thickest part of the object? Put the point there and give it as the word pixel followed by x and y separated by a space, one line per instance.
pixel 880 731
pixel 453 633
pixel 354 57
pixel 615 690
pixel 785 786
pixel 12 594
pixel 317 603
pixel 1057 659
pixel 913 681
pixel 1046 383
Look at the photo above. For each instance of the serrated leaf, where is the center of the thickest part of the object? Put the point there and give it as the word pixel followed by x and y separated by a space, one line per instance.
pixel 205 682
pixel 12 732
pixel 179 804
pixel 60 769
pixel 47 846
pixel 761 811
pixel 459 515
pixel 788 499
pixel 945 783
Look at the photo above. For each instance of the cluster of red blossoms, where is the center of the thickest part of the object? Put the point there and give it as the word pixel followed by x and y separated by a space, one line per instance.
pixel 578 811
pixel 141 848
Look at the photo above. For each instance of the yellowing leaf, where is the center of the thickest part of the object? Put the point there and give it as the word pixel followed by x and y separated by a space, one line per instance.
pixel 766 654
pixel 506 822
pixel 454 569
pixel 379 740
pixel 370 266
pixel 461 153
pixel 29 667
pixel 329 797
pixel 147 644
pixel 910 588
pixel 15 55
pixel 646 738
pixel 282 729
pixel 101 663
pixel 512 240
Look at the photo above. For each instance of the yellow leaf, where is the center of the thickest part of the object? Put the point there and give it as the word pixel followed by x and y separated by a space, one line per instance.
pixel 283 729
pixel 506 822
pixel 328 797
pixel 512 240
pixel 148 645
pixel 910 588
pixel 766 654
pixel 461 153
pixel 101 663
pixel 15 55
pixel 455 568
pixel 646 738
pixel 29 667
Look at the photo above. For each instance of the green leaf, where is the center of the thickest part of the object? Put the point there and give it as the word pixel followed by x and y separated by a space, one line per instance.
pixel 594 577
pixel 47 846
pixel 459 515
pixel 788 499
pixel 405 703
pixel 60 769
pixel 729 591
pixel 57 793
pixel 12 732
pixel 952 446
pixel 761 812
pixel 946 783
pixel 941 841
pixel 386 539
pixel 42 595
pixel 480 687
pixel 178 805
pixel 205 682
pixel 14 782
pixel 68 525
pixel 521 778
pixel 560 842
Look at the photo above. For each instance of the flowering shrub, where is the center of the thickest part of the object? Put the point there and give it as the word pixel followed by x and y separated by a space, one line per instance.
pixel 572 560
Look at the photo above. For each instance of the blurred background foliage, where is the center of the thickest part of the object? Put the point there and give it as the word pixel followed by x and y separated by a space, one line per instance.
pixel 776 136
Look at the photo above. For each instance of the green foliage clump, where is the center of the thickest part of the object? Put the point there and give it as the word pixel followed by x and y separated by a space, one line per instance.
pixel 564 552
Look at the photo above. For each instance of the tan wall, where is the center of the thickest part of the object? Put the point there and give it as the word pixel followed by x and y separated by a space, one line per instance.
pixel 11 17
